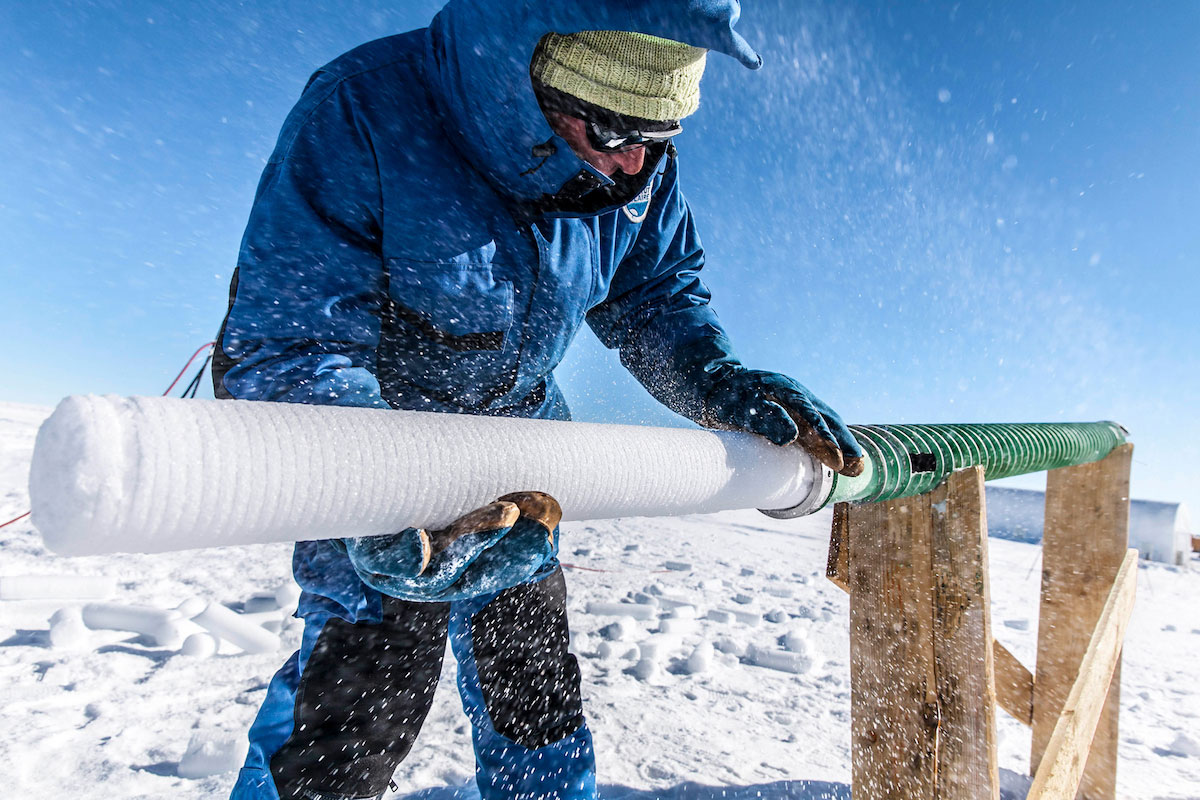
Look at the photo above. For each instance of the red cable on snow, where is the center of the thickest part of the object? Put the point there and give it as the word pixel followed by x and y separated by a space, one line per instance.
pixel 18 519
pixel 200 350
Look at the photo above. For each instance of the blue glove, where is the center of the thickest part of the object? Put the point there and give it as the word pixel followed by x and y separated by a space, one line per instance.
pixel 703 380
pixel 492 548
pixel 779 408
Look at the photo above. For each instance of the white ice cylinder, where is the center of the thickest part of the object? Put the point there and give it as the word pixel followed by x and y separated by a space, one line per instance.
pixel 112 474
pixel 226 624
pixel 67 630
pixel 56 587
pixel 641 611
pixel 161 625
pixel 782 660
pixel 701 658
pixel 287 596
pixel 211 753
pixel 200 645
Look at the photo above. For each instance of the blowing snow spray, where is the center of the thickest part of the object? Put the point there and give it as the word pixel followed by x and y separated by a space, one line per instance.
pixel 113 474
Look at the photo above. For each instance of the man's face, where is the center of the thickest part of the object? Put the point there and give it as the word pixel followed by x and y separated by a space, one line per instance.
pixel 574 131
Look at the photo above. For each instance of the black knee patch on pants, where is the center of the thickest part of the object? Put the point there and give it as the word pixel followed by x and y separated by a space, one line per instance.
pixel 364 693
pixel 530 682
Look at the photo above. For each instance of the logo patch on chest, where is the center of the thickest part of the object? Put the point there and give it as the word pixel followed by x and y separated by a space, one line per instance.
pixel 640 205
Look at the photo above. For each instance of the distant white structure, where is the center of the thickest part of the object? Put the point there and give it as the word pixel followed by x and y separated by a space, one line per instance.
pixel 1159 531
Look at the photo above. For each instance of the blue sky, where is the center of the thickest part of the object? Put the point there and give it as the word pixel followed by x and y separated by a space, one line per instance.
pixel 926 212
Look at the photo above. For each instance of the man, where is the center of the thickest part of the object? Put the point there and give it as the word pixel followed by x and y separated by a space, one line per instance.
pixel 443 211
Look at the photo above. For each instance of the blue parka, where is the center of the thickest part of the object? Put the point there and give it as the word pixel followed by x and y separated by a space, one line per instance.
pixel 422 240
pixel 410 246
pixel 401 252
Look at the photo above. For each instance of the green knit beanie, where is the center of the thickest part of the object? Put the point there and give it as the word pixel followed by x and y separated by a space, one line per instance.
pixel 631 74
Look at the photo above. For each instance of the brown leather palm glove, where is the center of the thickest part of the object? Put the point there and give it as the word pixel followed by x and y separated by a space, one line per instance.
pixel 491 548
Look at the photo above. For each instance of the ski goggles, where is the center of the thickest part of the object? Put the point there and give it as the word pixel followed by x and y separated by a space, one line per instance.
pixel 607 139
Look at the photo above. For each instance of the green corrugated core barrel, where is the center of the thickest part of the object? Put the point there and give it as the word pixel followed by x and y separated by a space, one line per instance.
pixel 907 460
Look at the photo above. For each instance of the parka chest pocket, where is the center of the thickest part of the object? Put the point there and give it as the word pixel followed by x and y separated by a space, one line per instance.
pixel 455 306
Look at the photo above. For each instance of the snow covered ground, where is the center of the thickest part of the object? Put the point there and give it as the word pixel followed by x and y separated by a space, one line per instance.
pixel 727 677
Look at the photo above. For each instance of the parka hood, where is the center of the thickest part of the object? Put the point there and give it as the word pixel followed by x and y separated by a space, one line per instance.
pixel 478 55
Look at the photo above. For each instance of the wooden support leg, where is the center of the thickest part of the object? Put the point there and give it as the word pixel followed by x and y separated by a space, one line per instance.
pixel 922 685
pixel 1086 534
pixel 1014 682
pixel 837 568
pixel 962 634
